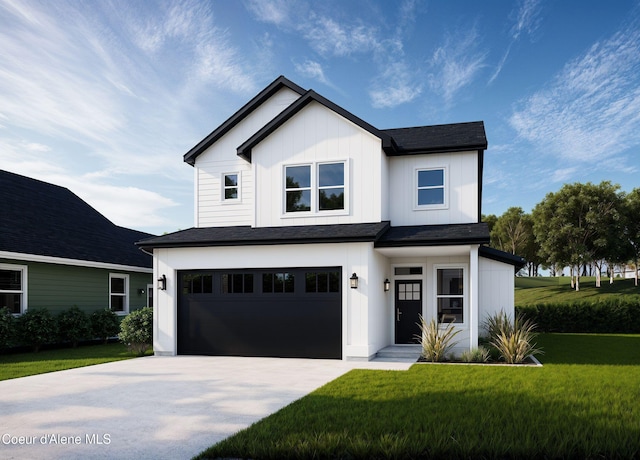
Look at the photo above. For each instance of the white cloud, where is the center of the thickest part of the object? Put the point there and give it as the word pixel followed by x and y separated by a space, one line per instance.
pixel 270 11
pixel 395 86
pixel 311 69
pixel 456 64
pixel 591 109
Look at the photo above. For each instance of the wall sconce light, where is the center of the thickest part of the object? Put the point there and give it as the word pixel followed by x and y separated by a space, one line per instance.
pixel 162 283
pixel 140 291
pixel 353 281
pixel 387 285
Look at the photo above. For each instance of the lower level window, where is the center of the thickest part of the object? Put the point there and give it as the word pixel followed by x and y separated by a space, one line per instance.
pixel 12 287
pixel 119 293
pixel 450 295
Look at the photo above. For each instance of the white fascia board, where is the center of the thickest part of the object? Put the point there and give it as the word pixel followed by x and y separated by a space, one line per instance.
pixel 75 262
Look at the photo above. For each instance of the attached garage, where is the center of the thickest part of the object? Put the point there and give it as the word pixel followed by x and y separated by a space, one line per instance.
pixel 293 313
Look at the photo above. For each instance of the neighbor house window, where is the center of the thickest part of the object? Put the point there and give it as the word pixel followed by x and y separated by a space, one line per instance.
pixel 316 188
pixel 431 187
pixel 231 186
pixel 278 283
pixel 450 295
pixel 119 293
pixel 13 282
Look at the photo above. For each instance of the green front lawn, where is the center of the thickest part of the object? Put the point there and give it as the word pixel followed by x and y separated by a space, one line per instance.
pixel 22 364
pixel 584 403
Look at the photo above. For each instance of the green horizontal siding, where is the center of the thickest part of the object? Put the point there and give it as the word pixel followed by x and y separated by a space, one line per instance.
pixel 59 287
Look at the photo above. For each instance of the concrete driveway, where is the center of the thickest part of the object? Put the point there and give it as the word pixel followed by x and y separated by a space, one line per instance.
pixel 154 407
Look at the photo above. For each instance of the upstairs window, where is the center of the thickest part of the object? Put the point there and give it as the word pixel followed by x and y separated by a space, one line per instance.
pixel 13 280
pixel 330 186
pixel 231 186
pixel 315 188
pixel 431 187
pixel 298 188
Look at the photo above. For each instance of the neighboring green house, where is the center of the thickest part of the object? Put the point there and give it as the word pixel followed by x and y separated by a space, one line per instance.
pixel 57 252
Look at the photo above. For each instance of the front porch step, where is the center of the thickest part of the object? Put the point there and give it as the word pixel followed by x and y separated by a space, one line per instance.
pixel 400 352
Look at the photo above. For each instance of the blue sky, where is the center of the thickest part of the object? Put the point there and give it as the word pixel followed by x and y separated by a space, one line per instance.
pixel 104 97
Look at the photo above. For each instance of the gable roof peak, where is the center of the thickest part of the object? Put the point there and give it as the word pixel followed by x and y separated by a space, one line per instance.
pixel 275 86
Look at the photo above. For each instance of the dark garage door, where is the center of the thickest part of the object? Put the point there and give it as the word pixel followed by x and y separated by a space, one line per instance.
pixel 289 313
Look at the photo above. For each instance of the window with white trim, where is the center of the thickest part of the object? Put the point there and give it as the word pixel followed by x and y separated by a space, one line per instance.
pixel 431 187
pixel 119 293
pixel 450 294
pixel 230 186
pixel 13 287
pixel 315 188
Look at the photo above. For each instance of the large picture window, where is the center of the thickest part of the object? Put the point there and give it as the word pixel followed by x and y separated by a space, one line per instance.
pixel 318 187
pixel 13 280
pixel 119 293
pixel 431 187
pixel 450 295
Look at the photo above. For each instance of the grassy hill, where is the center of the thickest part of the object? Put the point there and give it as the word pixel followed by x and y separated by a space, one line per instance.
pixel 558 289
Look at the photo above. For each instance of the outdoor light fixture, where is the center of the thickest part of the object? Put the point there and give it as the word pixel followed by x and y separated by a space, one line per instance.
pixel 387 285
pixel 162 283
pixel 140 291
pixel 353 281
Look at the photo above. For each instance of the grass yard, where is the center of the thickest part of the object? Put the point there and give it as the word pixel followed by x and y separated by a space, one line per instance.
pixel 558 290
pixel 584 403
pixel 23 364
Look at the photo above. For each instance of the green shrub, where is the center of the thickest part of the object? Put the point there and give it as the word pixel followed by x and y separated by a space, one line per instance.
pixel 36 327
pixel 477 355
pixel 609 315
pixel 7 326
pixel 136 331
pixel 513 340
pixel 73 326
pixel 436 342
pixel 104 324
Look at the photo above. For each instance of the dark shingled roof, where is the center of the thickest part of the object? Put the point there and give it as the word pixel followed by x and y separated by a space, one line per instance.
pixel 439 138
pixel 45 219
pixel 501 256
pixel 247 236
pixel 435 235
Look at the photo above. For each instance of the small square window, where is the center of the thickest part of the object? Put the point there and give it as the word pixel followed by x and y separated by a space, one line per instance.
pixel 231 186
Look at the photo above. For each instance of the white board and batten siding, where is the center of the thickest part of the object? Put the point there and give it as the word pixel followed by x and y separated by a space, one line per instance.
pixel 221 158
pixel 461 179
pixel 497 293
pixel 316 135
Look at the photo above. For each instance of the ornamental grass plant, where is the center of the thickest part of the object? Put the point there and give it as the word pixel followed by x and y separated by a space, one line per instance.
pixel 435 340
pixel 514 340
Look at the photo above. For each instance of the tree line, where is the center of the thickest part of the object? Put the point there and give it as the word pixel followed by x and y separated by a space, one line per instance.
pixel 586 227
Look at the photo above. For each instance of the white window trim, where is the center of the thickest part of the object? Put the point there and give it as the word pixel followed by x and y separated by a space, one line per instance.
pixel 24 278
pixel 428 207
pixel 315 190
pixel 223 188
pixel 465 293
pixel 124 276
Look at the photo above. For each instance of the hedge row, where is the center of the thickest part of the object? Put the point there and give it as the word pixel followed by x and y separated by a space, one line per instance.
pixel 610 315
pixel 37 327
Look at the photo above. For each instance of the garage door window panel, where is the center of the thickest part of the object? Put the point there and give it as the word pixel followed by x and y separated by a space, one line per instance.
pixel 278 283
pixel 237 283
pixel 322 282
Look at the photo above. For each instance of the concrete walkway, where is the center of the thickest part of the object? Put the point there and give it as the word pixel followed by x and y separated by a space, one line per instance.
pixel 155 407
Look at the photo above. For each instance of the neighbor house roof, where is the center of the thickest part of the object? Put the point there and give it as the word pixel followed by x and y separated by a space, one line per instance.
pixel 43 219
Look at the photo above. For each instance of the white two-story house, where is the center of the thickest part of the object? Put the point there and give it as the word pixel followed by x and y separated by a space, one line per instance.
pixel 319 235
